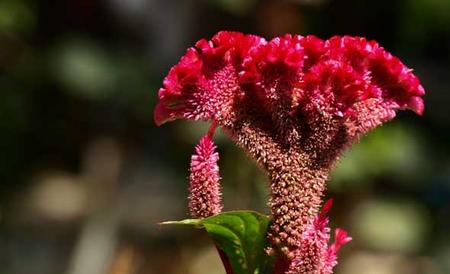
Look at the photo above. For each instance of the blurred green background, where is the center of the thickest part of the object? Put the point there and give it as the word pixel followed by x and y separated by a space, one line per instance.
pixel 85 175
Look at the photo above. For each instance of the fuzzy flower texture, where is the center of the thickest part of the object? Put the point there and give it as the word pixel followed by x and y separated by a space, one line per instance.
pixel 294 104
pixel 204 189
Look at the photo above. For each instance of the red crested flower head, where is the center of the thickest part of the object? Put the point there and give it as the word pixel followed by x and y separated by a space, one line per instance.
pixel 346 77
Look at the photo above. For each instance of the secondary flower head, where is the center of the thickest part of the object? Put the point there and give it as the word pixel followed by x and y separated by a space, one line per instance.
pixel 204 189
pixel 314 255
pixel 293 104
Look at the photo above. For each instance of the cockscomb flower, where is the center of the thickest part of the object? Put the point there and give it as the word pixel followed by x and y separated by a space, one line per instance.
pixel 293 104
pixel 314 256
pixel 204 188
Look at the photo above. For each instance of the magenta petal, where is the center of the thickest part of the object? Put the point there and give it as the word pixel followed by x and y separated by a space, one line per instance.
pixel 341 238
pixel 161 115
pixel 416 104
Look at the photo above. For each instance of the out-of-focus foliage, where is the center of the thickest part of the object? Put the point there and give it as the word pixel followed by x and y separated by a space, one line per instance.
pixel 390 151
pixel 391 225
pixel 85 175
pixel 16 17
pixel 427 17
pixel 236 7
pixel 85 69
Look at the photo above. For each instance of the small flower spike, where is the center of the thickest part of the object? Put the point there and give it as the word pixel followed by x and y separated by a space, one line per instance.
pixel 204 189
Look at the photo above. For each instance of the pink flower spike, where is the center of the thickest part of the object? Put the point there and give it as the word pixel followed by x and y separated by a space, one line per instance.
pixel 314 255
pixel 204 189
pixel 312 252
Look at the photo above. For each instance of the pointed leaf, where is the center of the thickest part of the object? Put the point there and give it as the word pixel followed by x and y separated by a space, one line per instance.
pixel 241 235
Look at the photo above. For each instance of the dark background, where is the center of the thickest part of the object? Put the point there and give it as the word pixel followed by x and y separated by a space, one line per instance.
pixel 85 174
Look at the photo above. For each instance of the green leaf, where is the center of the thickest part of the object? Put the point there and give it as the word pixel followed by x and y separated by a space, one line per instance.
pixel 241 235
